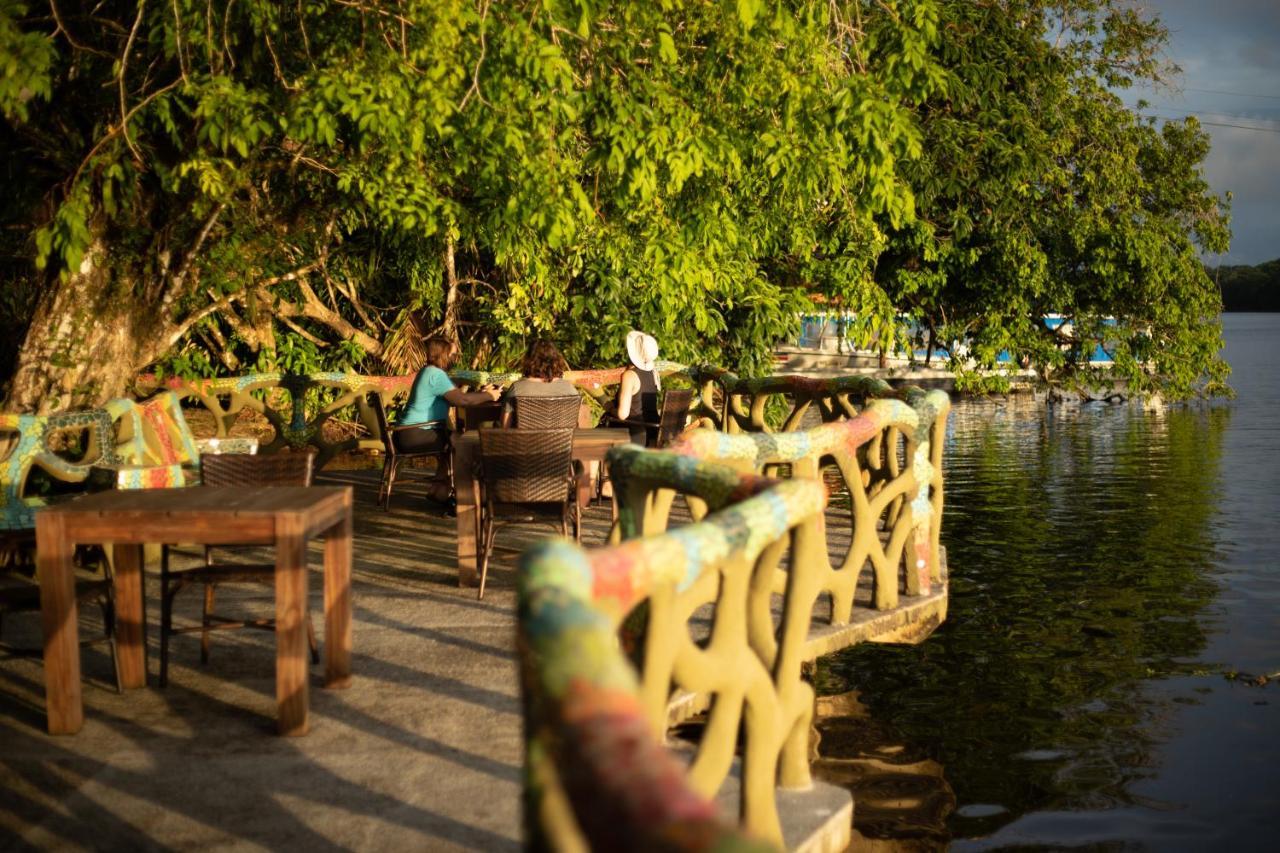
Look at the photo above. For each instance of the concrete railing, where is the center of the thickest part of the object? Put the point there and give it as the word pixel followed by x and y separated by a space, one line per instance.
pixel 298 406
pixel 599 773
pixel 747 666
pixel 136 445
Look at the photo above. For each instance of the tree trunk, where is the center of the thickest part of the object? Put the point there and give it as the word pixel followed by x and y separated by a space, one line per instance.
pixel 85 343
pixel 449 318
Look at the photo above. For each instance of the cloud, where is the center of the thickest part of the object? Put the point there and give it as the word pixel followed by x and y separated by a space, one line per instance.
pixel 1229 53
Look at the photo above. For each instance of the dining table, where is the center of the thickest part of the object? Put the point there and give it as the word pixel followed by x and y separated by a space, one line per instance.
pixel 286 517
pixel 589 445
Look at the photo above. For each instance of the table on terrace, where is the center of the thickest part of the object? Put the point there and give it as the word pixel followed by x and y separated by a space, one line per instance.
pixel 287 517
pixel 589 445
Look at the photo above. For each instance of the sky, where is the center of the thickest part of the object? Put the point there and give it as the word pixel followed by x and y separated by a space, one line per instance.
pixel 1229 53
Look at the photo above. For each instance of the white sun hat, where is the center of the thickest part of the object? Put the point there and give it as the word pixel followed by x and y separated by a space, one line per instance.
pixel 642 349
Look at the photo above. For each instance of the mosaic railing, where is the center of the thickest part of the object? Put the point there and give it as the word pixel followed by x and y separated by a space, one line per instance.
pixel 297 407
pixel 133 445
pixel 702 634
pixel 888 523
pixel 596 725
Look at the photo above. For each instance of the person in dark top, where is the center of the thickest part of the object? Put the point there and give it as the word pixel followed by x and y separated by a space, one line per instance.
pixel 638 392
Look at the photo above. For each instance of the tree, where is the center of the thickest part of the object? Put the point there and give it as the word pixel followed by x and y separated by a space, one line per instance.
pixel 271 184
pixel 1249 288
pixel 1040 193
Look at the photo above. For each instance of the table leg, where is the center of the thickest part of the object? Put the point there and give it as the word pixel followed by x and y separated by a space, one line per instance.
pixel 463 455
pixel 131 626
pixel 59 616
pixel 292 652
pixel 337 604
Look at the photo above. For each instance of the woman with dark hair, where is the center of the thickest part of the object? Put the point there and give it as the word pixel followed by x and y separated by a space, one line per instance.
pixel 429 400
pixel 543 368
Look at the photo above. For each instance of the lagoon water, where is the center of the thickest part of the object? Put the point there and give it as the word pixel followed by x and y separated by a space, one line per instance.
pixel 1115 593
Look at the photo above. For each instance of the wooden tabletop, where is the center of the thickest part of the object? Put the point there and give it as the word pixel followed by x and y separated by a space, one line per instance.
pixel 204 499
pixel 211 514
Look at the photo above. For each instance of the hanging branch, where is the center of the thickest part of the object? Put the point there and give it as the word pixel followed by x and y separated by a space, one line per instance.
pixel 124 64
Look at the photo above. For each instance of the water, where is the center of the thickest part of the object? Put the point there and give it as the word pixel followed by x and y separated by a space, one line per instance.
pixel 1115 592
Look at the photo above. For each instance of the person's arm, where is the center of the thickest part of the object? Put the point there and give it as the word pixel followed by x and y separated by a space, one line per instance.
pixel 462 399
pixel 626 389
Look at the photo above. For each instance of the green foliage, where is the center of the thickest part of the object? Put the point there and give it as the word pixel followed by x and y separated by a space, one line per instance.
pixel 272 182
pixel 25 58
pixel 694 169
pixel 1040 193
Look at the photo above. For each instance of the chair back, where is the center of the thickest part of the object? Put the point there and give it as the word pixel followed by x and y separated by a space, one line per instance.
pixel 380 417
pixel 526 465
pixel 675 412
pixel 547 412
pixel 242 469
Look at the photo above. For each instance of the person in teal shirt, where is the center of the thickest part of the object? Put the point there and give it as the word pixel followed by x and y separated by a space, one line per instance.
pixel 427 401
pixel 430 397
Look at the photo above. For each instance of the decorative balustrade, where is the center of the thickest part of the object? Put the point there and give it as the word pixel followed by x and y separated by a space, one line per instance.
pixel 886 446
pixel 298 406
pixel 138 445
pixel 595 726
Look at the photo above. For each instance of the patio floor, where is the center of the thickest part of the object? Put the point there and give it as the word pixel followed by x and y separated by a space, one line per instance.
pixel 423 750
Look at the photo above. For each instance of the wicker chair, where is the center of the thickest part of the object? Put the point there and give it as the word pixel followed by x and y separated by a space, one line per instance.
pixel 248 472
pixel 676 403
pixel 523 476
pixel 393 456
pixel 547 412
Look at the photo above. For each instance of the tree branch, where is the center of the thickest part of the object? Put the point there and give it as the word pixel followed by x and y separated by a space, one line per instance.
pixel 120 127
pixel 475 74
pixel 62 28
pixel 124 63
pixel 174 290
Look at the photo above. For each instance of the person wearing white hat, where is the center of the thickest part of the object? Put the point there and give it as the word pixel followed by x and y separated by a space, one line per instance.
pixel 638 392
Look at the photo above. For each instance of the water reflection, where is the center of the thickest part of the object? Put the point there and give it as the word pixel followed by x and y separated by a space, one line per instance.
pixel 1080 541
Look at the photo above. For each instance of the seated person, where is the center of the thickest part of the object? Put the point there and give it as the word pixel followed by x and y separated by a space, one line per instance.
pixel 637 405
pixel 543 368
pixel 429 400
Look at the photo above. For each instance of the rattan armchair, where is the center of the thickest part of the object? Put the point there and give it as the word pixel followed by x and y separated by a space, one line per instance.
pixel 393 456
pixel 676 403
pixel 247 472
pixel 547 412
pixel 523 476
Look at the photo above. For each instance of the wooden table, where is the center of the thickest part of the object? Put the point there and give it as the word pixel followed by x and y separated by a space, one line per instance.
pixel 589 445
pixel 286 517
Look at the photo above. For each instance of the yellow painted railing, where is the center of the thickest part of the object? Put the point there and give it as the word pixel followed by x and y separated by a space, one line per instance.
pixel 728 629
pixel 590 715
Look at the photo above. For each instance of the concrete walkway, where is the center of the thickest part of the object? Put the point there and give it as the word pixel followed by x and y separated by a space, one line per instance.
pixel 422 752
